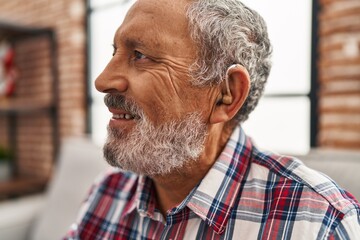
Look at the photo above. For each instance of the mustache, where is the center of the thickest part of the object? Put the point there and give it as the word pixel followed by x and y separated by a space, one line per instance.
pixel 118 101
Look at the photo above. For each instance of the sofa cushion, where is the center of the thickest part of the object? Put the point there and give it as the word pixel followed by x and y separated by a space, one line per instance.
pixel 79 163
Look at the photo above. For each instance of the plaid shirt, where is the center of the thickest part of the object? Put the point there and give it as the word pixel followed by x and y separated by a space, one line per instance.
pixel 247 194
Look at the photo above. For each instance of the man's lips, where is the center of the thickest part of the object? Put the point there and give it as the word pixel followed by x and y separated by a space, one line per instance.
pixel 118 114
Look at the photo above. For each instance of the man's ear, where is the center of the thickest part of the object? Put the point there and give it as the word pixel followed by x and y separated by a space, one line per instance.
pixel 235 90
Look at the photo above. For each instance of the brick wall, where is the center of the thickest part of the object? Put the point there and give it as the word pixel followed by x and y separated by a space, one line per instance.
pixel 34 85
pixel 339 74
pixel 67 18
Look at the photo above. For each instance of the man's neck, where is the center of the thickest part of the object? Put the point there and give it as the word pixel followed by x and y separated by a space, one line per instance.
pixel 173 188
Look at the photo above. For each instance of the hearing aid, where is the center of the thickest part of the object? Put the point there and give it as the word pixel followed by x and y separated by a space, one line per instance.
pixel 227 98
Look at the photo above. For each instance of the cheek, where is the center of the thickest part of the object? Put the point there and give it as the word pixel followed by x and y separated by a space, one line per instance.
pixel 164 95
pixel 156 96
pixel 168 86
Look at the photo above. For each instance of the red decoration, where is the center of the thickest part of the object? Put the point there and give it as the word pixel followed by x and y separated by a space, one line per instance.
pixel 8 71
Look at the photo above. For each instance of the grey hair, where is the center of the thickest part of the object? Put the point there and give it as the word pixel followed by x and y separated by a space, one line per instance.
pixel 227 32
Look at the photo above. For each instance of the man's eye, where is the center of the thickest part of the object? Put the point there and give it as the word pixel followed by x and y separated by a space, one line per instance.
pixel 138 55
pixel 114 50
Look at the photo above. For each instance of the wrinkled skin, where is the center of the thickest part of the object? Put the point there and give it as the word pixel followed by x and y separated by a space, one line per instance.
pixel 157 79
pixel 152 55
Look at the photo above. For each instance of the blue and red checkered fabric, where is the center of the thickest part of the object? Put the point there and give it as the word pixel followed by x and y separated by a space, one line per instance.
pixel 247 194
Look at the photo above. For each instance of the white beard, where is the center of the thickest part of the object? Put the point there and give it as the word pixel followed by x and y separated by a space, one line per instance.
pixel 160 150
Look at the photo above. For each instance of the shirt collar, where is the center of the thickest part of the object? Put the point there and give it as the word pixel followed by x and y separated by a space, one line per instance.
pixel 144 200
pixel 215 196
pixel 213 199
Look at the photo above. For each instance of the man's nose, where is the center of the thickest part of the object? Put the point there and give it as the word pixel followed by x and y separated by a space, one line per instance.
pixel 112 79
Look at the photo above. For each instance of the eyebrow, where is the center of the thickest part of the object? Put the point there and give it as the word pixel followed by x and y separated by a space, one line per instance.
pixel 132 42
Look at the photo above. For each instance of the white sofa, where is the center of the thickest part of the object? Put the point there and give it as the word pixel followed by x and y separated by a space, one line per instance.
pixel 17 216
pixel 48 216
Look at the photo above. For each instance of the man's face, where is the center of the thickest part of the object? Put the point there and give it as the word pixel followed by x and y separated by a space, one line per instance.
pixel 150 70
pixel 152 55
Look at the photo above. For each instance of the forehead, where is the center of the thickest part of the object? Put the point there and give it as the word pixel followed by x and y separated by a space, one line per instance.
pixel 159 24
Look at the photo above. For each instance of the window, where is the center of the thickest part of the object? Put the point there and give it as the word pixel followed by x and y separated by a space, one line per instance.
pixel 281 122
pixel 105 17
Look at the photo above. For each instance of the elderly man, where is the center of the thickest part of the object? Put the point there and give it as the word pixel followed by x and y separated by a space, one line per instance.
pixel 183 77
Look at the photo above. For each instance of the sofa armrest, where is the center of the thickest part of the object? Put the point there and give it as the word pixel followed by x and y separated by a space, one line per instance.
pixel 18 216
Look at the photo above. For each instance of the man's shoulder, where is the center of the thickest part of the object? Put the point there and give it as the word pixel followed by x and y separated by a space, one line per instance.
pixel 281 191
pixel 288 175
